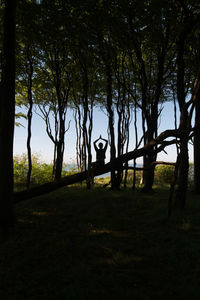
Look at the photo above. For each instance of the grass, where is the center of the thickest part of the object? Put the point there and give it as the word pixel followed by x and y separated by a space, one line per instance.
pixel 76 244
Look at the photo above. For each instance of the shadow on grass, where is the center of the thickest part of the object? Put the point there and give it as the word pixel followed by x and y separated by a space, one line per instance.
pixel 101 244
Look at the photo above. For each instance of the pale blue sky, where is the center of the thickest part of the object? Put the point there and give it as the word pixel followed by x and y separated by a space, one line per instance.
pixel 42 145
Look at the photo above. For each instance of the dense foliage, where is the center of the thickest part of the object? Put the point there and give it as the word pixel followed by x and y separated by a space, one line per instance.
pixel 41 172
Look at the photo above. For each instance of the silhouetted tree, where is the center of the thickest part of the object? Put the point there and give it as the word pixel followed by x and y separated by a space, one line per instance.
pixel 7 114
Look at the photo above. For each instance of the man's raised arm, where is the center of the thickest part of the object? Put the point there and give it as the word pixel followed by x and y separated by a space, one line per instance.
pixel 106 145
pixel 95 146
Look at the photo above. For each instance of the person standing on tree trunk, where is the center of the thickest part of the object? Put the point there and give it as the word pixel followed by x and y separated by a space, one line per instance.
pixel 100 159
pixel 101 151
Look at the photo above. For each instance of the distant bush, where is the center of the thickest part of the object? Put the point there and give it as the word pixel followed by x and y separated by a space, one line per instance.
pixel 191 173
pixel 164 174
pixel 69 169
pixel 129 179
pixel 41 172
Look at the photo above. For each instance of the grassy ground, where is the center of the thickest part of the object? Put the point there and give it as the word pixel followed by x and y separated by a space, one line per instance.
pixel 76 244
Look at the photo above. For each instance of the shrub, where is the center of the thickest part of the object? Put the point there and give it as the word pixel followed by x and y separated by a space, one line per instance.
pixel 41 172
pixel 130 177
pixel 164 174
pixel 69 169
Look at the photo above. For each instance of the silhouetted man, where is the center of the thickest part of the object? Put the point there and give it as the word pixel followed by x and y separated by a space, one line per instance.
pixel 101 151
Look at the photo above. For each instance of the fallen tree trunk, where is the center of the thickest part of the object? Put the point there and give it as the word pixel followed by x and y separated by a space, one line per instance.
pixel 51 186
pixel 78 177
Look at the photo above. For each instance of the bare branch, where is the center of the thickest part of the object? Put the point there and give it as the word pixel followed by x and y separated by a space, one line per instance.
pixel 68 126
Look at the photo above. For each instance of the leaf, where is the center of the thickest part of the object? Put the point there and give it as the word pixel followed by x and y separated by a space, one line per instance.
pixel 20 115
pixel 17 124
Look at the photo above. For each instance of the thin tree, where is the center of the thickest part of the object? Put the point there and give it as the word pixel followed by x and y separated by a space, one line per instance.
pixel 7 114
pixel 197 147
pixel 29 68
pixel 188 22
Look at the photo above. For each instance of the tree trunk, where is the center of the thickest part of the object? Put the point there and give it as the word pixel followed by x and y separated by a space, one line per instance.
pixel 197 146
pixel 77 120
pixel 61 128
pixel 185 127
pixel 148 176
pixel 136 143
pixel 89 148
pixel 119 145
pixel 152 120
pixel 150 157
pixel 29 115
pixel 86 141
pixel 184 163
pixel 7 115
pixel 60 143
pixel 59 160
pixel 111 125
pixel 181 191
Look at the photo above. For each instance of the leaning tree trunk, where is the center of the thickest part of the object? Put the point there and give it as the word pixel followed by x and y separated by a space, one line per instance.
pixel 7 115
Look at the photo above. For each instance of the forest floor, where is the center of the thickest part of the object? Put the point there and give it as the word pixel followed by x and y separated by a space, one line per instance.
pixel 79 244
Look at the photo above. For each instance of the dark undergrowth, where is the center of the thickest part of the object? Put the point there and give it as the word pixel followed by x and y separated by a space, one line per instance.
pixel 77 244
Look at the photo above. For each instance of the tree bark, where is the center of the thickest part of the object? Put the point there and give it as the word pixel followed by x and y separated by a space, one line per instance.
pixel 78 136
pixel 184 159
pixel 29 115
pixel 7 116
pixel 181 191
pixel 188 23
pixel 111 124
pixel 152 118
pixel 150 157
pixel 59 155
pixel 62 104
pixel 197 146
